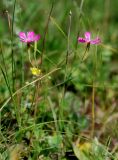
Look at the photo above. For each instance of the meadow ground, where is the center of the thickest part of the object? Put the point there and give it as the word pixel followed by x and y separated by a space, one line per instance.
pixel 58 80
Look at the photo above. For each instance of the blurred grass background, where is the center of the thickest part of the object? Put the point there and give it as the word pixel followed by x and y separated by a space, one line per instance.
pixel 100 18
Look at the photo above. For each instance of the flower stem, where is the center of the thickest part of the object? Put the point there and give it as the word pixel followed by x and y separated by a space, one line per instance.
pixel 12 50
pixel 93 91
pixel 66 71
pixel 29 55
pixel 93 110
pixel 80 15
pixel 45 33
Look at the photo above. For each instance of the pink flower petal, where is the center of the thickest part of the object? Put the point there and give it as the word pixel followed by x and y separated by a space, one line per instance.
pixel 87 36
pixel 95 41
pixel 30 36
pixel 81 40
pixel 37 37
pixel 22 36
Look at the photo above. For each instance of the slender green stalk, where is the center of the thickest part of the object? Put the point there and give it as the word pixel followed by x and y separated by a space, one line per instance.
pixel 5 74
pixel 36 97
pixel 68 43
pixel 80 15
pixel 66 71
pixel 93 111
pixel 85 54
pixel 46 57
pixel 93 91
pixel 45 33
pixel 14 103
pixel 36 90
pixel 29 55
pixel 54 114
pixel 35 49
pixel 56 124
pixel 12 50
pixel 68 50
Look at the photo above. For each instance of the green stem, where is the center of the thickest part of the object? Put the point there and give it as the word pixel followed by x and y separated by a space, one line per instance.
pixel 66 72
pixel 45 32
pixel 54 114
pixel 80 15
pixel 68 44
pixel 29 55
pixel 35 49
pixel 13 100
pixel 12 51
pixel 93 110
pixel 93 91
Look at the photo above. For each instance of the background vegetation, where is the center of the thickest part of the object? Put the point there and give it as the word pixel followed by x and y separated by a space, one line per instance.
pixel 53 118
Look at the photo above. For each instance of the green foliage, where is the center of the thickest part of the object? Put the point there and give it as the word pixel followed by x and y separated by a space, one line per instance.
pixel 42 117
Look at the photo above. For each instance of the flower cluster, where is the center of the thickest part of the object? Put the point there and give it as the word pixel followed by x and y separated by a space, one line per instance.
pixel 31 37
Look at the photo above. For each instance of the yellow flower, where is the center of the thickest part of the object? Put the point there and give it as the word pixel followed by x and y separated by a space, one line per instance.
pixel 35 71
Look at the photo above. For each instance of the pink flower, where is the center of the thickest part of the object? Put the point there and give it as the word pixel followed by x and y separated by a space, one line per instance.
pixel 88 40
pixel 28 37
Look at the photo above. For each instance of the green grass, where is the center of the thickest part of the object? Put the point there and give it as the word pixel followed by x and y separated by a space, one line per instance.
pixel 69 111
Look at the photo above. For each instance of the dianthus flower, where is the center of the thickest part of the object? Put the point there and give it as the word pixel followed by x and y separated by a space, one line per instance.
pixel 88 40
pixel 28 37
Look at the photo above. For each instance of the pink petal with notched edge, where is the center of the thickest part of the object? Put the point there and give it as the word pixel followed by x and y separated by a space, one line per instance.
pixel 95 41
pixel 30 36
pixel 37 37
pixel 81 40
pixel 22 36
pixel 87 36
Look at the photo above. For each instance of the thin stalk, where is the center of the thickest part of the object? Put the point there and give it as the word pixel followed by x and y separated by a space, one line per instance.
pixel 35 49
pixel 66 69
pixel 46 57
pixel 68 50
pixel 6 74
pixel 6 78
pixel 55 121
pixel 36 91
pixel 93 92
pixel 54 114
pixel 6 81
pixel 45 33
pixel 21 82
pixel 85 54
pixel 93 111
pixel 29 55
pixel 80 15
pixel 22 66
pixel 36 97
pixel 16 110
pixel 12 51
pixel 68 43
